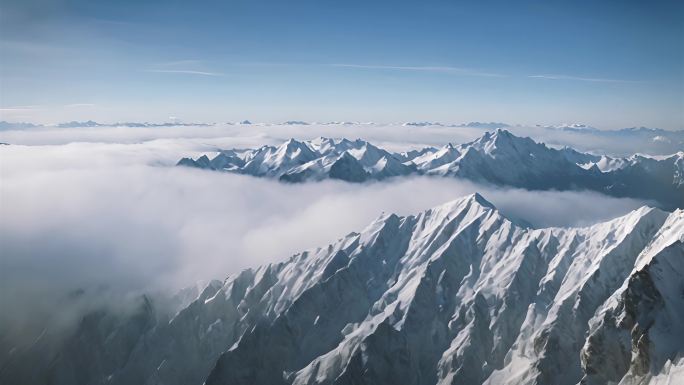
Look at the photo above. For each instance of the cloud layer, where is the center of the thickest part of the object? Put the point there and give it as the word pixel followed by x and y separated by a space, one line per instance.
pixel 393 137
pixel 110 213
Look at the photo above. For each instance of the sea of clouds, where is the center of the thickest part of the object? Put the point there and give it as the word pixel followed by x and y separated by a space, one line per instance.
pixel 105 208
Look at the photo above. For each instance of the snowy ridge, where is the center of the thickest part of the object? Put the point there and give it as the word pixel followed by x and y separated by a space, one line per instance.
pixel 498 157
pixel 457 294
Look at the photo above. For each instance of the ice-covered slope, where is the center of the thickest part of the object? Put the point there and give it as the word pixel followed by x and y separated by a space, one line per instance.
pixel 457 294
pixel 498 157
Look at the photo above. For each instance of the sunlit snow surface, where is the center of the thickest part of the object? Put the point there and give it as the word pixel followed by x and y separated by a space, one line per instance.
pixel 455 294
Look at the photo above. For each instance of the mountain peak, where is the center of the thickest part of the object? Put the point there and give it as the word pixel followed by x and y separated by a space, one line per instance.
pixel 501 135
pixel 472 205
pixel 293 145
pixel 479 199
pixel 501 141
pixel 291 141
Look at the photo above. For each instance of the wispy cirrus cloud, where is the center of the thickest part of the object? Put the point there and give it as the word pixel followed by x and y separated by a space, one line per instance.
pixel 185 72
pixel 183 62
pixel 440 69
pixel 582 78
pixel 37 107
pixel 18 108
pixel 183 67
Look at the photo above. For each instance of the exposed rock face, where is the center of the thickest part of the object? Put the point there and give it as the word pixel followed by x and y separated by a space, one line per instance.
pixel 457 294
pixel 347 168
pixel 642 322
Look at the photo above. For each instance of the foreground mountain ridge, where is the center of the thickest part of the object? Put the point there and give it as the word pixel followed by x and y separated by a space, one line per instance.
pixel 457 294
pixel 498 158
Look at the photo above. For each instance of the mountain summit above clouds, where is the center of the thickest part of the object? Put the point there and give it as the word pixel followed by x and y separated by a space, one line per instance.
pixel 457 294
pixel 498 157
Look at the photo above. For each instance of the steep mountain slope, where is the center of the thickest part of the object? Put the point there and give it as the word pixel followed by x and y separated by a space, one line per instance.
pixel 499 158
pixel 457 294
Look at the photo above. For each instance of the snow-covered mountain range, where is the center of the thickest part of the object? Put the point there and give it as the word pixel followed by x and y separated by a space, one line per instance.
pixel 499 158
pixel 4 125
pixel 457 294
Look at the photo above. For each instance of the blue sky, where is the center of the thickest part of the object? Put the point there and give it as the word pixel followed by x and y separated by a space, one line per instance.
pixel 607 63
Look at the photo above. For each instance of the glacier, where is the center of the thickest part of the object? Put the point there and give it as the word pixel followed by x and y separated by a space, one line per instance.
pixel 457 294
pixel 497 158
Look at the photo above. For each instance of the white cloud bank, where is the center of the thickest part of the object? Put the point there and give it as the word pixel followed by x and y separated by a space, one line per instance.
pixel 112 213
